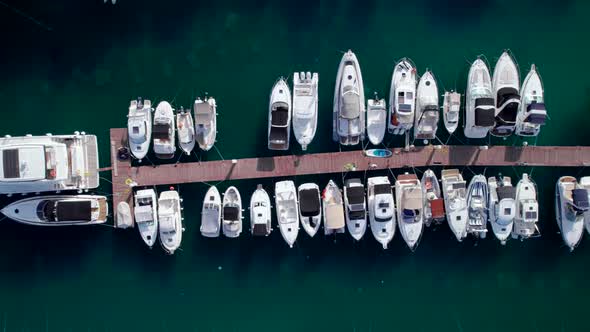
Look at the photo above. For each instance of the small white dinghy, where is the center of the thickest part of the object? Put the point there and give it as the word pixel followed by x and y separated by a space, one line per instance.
pixel 205 122
pixel 124 218
pixel 279 116
pixel 305 107
pixel 451 106
pixel 531 113
pixel 186 131
pixel 310 212
pixel 170 220
pixel 287 211
pixel 146 215
pixel 232 213
pixel 376 120
pixel 164 137
pixel 139 127
pixel 211 213
pixel 427 109
pixel 260 218
pixel 356 207
pixel 381 208
pixel 333 209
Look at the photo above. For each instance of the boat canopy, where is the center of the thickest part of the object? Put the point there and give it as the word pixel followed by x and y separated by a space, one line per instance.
pixel 351 105
pixel 506 192
pixel 355 195
pixel 162 130
pixel 279 115
pixel 278 135
pixel 334 216
pixel 260 230
pixel 537 114
pixel 202 113
pixel 484 112
pixel 382 189
pixel 309 202
pixel 580 199
pixel 505 95
pixel 231 213
pixel 79 210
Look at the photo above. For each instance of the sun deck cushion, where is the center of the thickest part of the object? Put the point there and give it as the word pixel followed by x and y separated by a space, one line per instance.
pixel 484 117
pixel 74 210
pixel 351 105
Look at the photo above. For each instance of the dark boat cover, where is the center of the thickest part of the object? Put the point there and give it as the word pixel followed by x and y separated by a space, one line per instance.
pixel 484 112
pixel 505 94
pixel 10 164
pixel 231 213
pixel 355 195
pixel 484 102
pixel 279 114
pixel 580 197
pixel 161 130
pixel 506 192
pixel 382 189
pixel 260 230
pixel 278 134
pixel 309 202
pixel 73 210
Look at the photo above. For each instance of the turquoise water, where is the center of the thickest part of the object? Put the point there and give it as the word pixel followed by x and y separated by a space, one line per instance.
pixel 81 63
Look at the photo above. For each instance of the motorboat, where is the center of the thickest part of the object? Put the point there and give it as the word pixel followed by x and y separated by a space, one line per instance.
pixel 585 184
pixel 376 120
pixel 185 127
pixel 260 217
pixel 146 215
pixel 506 86
pixel 310 212
pixel 170 219
pixel 287 211
pixel 139 127
pixel 33 164
pixel 211 213
pixel 279 116
pixel 531 112
pixel 349 102
pixel 571 203
pixel 451 107
pixel 479 101
pixel 454 193
pixel 381 208
pixel 59 210
pixel 205 122
pixel 402 97
pixel 231 216
pixel 333 209
pixel 502 207
pixel 164 137
pixel 527 210
pixel 124 218
pixel 378 153
pixel 410 204
pixel 355 207
pixel 434 205
pixel 305 107
pixel 477 206
pixel 427 108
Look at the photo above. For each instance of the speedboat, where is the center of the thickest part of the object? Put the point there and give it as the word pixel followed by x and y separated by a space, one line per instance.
pixel 479 101
pixel 402 95
pixel 310 212
pixel 410 204
pixel 124 218
pixel 531 112
pixel 287 211
pixel 164 145
pixel 211 213
pixel 376 120
pixel 451 107
pixel 305 107
pixel 502 207
pixel 185 128
pixel 279 116
pixel 146 215
pixel 571 203
pixel 260 218
pixel 506 85
pixel 232 213
pixel 453 188
pixel 434 206
pixel 139 127
pixel 381 208
pixel 427 109
pixel 477 206
pixel 527 210
pixel 205 122
pixel 170 219
pixel 355 207
pixel 59 210
pixel 349 102
pixel 585 184
pixel 333 209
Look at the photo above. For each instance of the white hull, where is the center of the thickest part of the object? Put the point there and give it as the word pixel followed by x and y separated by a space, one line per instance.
pixel 124 218
pixel 305 107
pixel 211 213
pixel 310 221
pixel 279 116
pixel 502 209
pixel 287 211
pixel 478 206
pixel 454 193
pixel 427 109
pixel 170 220
pixel 408 197
pixel 164 143
pixel 531 113
pixel 146 215
pixel 527 210
pixel 260 217
pixel 349 126
pixel 402 92
pixel 205 122
pixel 139 128
pixel 506 76
pixel 432 194
pixel 451 108
pixel 355 206
pixel 479 86
pixel 232 220
pixel 381 208
pixel 376 120
pixel 571 225
pixel 333 209
pixel 185 127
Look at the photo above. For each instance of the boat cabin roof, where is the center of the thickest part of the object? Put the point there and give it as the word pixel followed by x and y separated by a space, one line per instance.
pixel 231 213
pixel 75 210
pixel 381 189
pixel 202 113
pixel 355 195
pixel 23 163
pixel 279 116
pixel 260 230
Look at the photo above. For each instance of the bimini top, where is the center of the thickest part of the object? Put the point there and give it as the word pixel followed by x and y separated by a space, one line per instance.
pixel 309 202
pixel 65 210
pixel 161 130
pixel 506 192
pixel 279 115
pixel 355 195
pixel 351 107
pixel 484 112
pixel 231 213
pixel 580 199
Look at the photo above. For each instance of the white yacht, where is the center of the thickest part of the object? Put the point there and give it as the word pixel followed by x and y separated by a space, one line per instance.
pixel 571 203
pixel 376 120
pixel 185 127
pixel 477 206
pixel 123 218
pixel 333 209
pixel 355 207
pixel 170 219
pixel 451 107
pixel 381 208
pixel 585 184
pixel 305 107
pixel 287 211
pixel 527 210
pixel 139 127
pixel 260 217
pixel 232 213
pixel 32 164
pixel 479 101
pixel 506 86
pixel 531 112
pixel 211 213
pixel 434 205
pixel 310 212
pixel 59 210
pixel 205 122
pixel 410 204
pixel 502 207
pixel 453 188
pixel 164 137
pixel 146 215
pixel 427 109
pixel 349 102
pixel 402 95
pixel 279 116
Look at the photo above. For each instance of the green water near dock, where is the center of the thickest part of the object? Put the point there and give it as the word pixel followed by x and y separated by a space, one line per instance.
pixel 74 65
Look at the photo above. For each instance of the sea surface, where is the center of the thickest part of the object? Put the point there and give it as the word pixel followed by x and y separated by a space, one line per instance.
pixel 74 65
